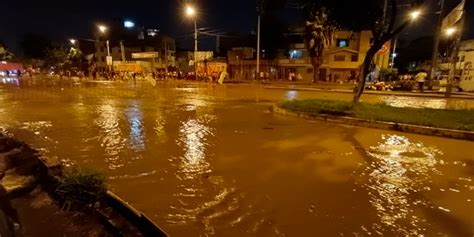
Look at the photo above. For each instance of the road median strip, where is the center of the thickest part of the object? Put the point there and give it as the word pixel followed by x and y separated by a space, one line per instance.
pixel 458 124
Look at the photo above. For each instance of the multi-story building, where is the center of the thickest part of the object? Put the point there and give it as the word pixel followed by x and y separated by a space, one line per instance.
pixel 341 61
pixel 145 47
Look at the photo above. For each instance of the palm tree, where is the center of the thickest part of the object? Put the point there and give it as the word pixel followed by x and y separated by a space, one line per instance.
pixel 319 36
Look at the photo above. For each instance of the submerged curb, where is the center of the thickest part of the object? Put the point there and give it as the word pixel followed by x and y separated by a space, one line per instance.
pixel 381 93
pixel 401 127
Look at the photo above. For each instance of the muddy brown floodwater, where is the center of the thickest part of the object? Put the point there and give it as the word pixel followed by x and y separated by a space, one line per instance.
pixel 204 160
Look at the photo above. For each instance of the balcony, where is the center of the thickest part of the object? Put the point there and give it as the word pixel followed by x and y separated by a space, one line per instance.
pixel 294 62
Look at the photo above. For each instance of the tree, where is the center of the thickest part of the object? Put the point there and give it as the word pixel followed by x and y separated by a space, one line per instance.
pixel 383 30
pixel 57 55
pixel 34 46
pixel 319 32
pixel 358 15
pixel 5 54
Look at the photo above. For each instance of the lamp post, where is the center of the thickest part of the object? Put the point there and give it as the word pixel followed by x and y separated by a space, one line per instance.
pixel 191 13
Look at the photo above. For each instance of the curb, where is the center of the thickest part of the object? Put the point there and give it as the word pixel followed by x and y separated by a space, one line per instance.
pixel 426 95
pixel 114 216
pixel 423 130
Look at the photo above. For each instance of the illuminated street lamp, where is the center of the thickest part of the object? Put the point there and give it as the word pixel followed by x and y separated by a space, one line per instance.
pixel 128 24
pixel 102 28
pixel 72 41
pixel 191 13
pixel 450 31
pixel 415 14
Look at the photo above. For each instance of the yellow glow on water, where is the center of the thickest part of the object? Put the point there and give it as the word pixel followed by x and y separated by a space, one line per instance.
pixel 193 136
pixel 135 117
pixel 111 136
pixel 399 169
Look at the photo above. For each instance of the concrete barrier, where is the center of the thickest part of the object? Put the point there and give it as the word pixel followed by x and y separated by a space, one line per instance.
pixel 439 132
pixel 140 220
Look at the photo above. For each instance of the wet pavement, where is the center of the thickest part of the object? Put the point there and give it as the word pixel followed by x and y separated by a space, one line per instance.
pixel 205 160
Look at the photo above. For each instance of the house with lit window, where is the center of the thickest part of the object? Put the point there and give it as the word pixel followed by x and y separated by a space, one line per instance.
pixel 341 61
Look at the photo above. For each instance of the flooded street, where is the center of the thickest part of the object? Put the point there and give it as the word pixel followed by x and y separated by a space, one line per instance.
pixel 210 160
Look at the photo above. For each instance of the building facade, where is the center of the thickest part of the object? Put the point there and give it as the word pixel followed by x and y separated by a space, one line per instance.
pixel 146 47
pixel 340 62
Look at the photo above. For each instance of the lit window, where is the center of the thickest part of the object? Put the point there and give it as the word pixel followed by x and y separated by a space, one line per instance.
pixel 296 54
pixel 342 43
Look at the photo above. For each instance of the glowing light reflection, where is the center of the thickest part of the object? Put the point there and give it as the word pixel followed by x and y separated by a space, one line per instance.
pixel 110 135
pixel 400 168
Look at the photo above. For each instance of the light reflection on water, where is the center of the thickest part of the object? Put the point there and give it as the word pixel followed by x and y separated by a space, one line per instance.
pixel 193 137
pixel 110 133
pixel 415 102
pixel 135 117
pixel 400 168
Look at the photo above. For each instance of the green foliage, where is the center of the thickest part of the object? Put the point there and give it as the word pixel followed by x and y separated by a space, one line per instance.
pixel 317 106
pixel 5 54
pixel 81 186
pixel 440 118
pixel 319 32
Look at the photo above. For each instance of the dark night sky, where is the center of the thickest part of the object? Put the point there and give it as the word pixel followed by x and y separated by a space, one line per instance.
pixel 61 19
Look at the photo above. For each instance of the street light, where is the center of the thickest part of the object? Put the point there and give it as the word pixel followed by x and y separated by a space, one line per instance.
pixel 129 24
pixel 450 31
pixel 415 14
pixel 191 13
pixel 102 28
pixel 73 41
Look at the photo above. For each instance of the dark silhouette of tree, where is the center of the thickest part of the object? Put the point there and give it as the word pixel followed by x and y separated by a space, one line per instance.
pixel 319 33
pixel 34 46
pixel 57 55
pixel 5 54
pixel 359 15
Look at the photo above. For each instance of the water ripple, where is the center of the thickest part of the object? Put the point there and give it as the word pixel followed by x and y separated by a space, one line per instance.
pixel 399 169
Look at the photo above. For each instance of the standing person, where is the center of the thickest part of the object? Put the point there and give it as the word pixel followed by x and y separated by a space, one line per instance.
pixel 420 78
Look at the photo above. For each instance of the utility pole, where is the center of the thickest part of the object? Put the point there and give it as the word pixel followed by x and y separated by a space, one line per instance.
pixel 394 52
pixel 257 74
pixel 195 48
pixel 454 57
pixel 122 51
pixel 434 57
pixel 385 6
pixel 108 54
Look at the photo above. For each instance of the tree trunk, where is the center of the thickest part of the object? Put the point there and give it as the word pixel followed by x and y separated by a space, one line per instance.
pixel 316 65
pixel 364 72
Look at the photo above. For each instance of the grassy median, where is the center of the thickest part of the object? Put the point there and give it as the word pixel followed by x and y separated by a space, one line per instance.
pixel 440 118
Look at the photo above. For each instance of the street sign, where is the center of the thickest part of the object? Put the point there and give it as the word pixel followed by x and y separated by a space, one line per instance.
pixel 145 55
pixel 109 60
pixel 203 55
